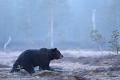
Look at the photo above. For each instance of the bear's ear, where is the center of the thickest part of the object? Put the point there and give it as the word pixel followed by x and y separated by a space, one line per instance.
pixel 54 49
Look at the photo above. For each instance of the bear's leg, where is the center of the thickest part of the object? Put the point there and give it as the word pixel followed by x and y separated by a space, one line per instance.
pixel 40 68
pixel 15 66
pixel 14 69
pixel 30 70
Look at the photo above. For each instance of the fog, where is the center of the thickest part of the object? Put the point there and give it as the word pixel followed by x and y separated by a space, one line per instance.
pixel 65 24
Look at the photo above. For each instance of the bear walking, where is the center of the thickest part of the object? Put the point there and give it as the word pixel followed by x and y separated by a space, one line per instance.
pixel 32 58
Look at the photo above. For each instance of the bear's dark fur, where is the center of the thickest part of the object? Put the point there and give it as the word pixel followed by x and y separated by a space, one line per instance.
pixel 32 58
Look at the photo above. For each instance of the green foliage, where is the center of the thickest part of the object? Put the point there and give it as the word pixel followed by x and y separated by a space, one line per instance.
pixel 114 44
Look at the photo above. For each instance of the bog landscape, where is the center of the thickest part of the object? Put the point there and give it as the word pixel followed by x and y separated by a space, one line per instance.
pixel 85 32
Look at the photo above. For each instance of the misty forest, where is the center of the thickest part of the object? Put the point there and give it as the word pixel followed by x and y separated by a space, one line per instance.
pixel 86 32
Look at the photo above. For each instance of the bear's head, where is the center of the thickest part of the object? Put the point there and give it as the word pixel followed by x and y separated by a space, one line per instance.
pixel 56 54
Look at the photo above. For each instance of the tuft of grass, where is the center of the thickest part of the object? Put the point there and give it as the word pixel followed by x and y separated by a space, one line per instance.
pixel 2 65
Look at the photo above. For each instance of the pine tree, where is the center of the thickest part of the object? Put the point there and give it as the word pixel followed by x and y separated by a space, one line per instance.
pixel 114 44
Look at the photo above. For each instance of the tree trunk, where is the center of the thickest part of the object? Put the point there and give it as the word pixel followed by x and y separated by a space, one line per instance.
pixel 101 48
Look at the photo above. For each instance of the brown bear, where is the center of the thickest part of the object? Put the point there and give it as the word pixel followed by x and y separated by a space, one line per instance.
pixel 32 58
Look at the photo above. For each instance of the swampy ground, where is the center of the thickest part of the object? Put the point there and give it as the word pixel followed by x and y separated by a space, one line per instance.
pixel 76 65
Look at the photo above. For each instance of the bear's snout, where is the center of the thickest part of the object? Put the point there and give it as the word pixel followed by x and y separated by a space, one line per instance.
pixel 61 56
